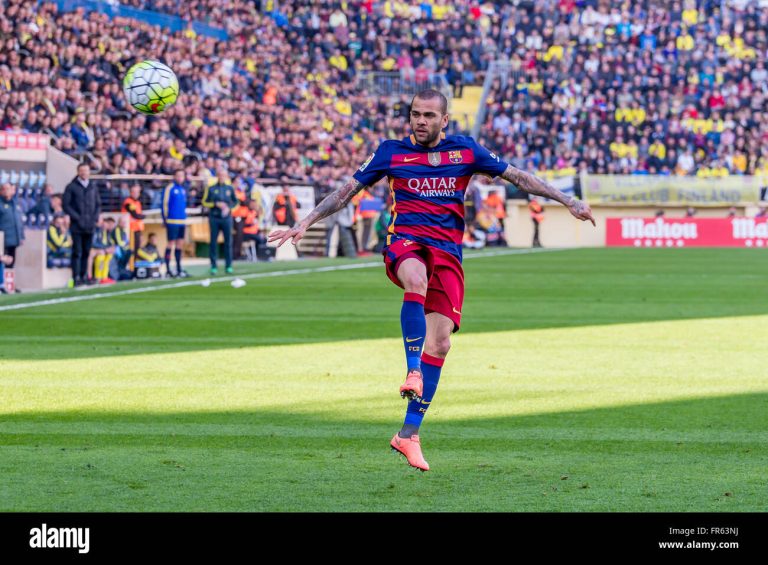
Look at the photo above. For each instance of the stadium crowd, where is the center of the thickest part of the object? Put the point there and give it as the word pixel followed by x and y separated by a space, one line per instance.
pixel 288 111
pixel 637 87
pixel 679 89
pixel 641 87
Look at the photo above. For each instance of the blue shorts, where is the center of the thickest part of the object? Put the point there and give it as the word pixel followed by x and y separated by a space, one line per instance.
pixel 175 231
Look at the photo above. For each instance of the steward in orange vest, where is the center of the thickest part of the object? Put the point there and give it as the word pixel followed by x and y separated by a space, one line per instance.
pixel 284 210
pixel 251 229
pixel 132 206
pixel 496 202
pixel 238 217
pixel 537 215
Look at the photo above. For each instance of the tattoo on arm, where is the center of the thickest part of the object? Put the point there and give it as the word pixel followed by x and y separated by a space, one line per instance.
pixel 334 202
pixel 533 184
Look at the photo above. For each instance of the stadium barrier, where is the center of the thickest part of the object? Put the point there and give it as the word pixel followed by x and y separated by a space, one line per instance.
pixel 661 190
pixel 621 197
pixel 687 232
pixel 560 229
pixel 392 84
pixel 29 161
pixel 31 270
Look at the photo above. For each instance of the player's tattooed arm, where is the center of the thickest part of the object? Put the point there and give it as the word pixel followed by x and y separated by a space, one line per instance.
pixel 334 202
pixel 534 185
pixel 331 204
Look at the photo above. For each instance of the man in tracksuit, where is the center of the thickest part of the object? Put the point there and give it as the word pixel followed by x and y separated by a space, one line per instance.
pixel 174 218
pixel 82 204
pixel 221 199
pixel 12 227
pixel 10 221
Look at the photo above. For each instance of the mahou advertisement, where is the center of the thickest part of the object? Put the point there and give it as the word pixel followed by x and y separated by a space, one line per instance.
pixel 687 232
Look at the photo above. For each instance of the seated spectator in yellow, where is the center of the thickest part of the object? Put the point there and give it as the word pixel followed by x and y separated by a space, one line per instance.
pixel 149 252
pixel 59 243
pixel 102 250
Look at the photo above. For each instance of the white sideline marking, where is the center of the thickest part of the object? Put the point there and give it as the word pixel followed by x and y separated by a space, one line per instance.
pixel 286 273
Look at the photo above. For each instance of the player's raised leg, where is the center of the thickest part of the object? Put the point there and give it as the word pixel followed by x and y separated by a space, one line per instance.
pixel 436 347
pixel 412 273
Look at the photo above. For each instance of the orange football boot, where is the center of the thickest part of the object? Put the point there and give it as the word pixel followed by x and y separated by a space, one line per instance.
pixel 411 448
pixel 413 386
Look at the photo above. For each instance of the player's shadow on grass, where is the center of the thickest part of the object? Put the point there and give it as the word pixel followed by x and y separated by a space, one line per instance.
pixel 549 290
pixel 703 454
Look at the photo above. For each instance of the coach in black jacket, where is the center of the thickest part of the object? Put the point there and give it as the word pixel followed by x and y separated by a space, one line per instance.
pixel 82 204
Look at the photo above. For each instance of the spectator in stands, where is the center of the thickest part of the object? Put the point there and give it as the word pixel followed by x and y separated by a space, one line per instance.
pixel 11 222
pixel 59 244
pixel 221 199
pixel 82 204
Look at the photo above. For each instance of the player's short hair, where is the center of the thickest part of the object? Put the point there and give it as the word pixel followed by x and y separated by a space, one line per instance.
pixel 431 93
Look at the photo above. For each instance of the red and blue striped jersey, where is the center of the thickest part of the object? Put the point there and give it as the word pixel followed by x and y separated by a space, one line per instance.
pixel 428 185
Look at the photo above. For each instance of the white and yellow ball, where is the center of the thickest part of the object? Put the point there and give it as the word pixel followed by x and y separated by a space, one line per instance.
pixel 150 87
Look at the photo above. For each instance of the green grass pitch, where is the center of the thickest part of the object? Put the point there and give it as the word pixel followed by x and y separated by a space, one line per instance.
pixel 582 380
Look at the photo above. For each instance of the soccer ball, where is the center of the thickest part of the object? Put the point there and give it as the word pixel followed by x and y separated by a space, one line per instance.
pixel 150 87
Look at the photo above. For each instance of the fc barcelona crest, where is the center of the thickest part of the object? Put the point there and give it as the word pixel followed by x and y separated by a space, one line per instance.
pixel 434 159
pixel 455 157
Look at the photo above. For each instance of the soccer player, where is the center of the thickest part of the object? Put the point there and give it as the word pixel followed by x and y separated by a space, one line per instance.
pixel 174 217
pixel 428 173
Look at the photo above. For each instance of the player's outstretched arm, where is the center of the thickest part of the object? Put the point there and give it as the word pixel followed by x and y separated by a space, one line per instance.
pixel 534 185
pixel 331 204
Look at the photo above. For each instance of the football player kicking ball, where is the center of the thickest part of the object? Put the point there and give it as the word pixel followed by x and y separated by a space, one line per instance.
pixel 428 174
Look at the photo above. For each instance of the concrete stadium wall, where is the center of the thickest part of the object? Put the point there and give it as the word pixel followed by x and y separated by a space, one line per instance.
pixel 60 169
